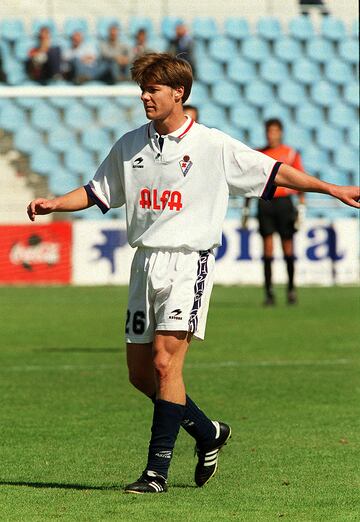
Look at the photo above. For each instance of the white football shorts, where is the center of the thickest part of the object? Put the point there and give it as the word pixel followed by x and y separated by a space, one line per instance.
pixel 169 290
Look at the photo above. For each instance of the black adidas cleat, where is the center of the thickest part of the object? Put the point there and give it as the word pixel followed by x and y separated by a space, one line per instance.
pixel 149 482
pixel 208 458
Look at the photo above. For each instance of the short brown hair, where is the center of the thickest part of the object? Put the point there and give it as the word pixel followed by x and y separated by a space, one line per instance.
pixel 273 121
pixel 163 69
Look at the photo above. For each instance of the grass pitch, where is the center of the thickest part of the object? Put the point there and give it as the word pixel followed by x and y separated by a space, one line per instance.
pixel 73 432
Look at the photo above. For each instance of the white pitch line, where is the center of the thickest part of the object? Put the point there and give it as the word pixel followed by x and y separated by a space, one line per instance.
pixel 223 364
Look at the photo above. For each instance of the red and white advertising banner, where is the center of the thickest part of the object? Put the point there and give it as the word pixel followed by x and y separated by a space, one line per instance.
pixel 35 253
pixel 325 254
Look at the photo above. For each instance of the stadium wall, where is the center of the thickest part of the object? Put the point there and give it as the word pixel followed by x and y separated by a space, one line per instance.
pixel 97 253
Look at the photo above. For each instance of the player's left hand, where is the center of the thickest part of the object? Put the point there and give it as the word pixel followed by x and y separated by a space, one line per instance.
pixel 349 195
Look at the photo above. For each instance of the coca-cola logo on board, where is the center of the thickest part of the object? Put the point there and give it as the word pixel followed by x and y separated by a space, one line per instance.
pixel 34 251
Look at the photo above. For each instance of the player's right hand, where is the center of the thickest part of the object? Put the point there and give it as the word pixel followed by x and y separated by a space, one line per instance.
pixel 39 207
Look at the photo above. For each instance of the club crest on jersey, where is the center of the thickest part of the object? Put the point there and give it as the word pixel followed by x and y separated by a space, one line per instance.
pixel 185 164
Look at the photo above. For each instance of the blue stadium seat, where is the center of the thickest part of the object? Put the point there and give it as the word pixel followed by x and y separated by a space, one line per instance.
pixel 333 29
pixel 26 139
pixel 138 116
pixel 291 93
pixel 309 116
pixel 320 50
pixel 255 49
pixel 351 93
pixel 298 137
pixel 111 116
pixel 315 159
pixel 241 71
pixel 347 158
pixel 335 175
pixel 269 28
pixel 287 49
pixel 79 161
pixel 338 72
pixel 44 116
pixel 62 181
pixel 324 93
pixel 168 26
pixel 75 24
pixel 38 23
pixel 258 93
pixel 301 28
pixel 96 139
pixel 204 27
pixel 23 46
pixel 12 29
pixel 127 102
pixel 277 110
pixel 43 160
pixel 328 137
pixel 236 28
pixel 93 102
pixel 120 130
pixel 306 71
pixel 27 102
pixel 273 71
pixel 199 94
pixel 12 117
pixel 212 115
pixel 62 102
pixel 225 93
pixel 158 44
pixel 210 72
pixel 355 28
pixel 233 131
pixel 348 50
pixel 61 138
pixel 352 135
pixel 222 49
pixel 103 23
pixel 342 116
pixel 243 116
pixel 77 117
pixel 257 137
pixel 140 22
pixel 15 75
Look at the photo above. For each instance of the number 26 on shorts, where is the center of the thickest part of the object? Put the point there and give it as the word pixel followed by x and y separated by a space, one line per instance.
pixel 136 323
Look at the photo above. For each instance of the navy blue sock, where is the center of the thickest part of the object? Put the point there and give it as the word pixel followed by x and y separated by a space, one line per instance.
pixel 196 423
pixel 289 260
pixel 164 431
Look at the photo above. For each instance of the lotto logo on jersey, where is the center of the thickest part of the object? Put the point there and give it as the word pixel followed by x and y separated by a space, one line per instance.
pixel 151 199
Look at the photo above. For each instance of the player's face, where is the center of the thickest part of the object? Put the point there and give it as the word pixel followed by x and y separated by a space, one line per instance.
pixel 159 101
pixel 274 135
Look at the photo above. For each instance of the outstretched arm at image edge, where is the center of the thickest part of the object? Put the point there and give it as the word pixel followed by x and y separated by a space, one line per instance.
pixel 295 179
pixel 78 199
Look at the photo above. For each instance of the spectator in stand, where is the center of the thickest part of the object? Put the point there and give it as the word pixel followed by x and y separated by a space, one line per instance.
pixel 192 111
pixel 116 55
pixel 183 45
pixel 44 60
pixel 305 5
pixel 82 61
pixel 140 46
pixel 2 72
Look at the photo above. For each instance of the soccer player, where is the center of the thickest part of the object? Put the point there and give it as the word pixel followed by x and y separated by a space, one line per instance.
pixel 191 111
pixel 280 214
pixel 174 176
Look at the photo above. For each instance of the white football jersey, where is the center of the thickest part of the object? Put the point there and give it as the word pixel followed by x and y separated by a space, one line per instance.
pixel 176 195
